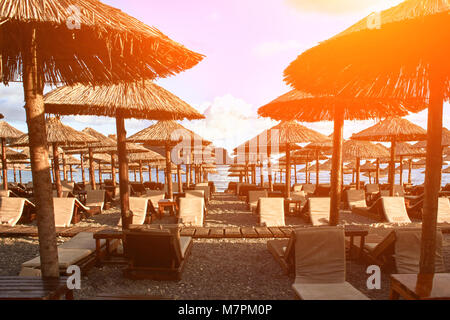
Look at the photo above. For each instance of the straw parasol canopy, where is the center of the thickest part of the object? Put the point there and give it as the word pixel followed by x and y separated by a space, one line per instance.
pixel 400 53
pixel 7 133
pixel 168 134
pixel 138 100
pixel 395 130
pixel 446 170
pixel 357 150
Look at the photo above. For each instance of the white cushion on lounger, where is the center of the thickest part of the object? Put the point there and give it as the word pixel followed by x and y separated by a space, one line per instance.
pixel 66 258
pixel 328 291
pixel 444 210
pixel 184 243
pixel 30 272
pixel 83 240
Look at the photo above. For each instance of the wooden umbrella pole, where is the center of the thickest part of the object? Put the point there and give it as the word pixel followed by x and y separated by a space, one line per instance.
pixel 57 174
pixel 306 171
pixel 401 170
pixel 123 172
pixel 433 174
pixel 169 171
pixel 141 173
pixel 288 170
pixel 64 167
pixel 33 83
pixel 113 170
pixel 410 171
pixel 180 184
pixel 14 173
pixel 157 174
pixel 83 177
pixel 149 172
pixel 378 171
pixel 4 165
pixel 188 175
pixel 392 169
pixel 261 173
pixel 100 174
pixel 358 173
pixel 71 172
pixel 295 171
pixel 317 168
pixel 20 176
pixel 336 168
pixel 91 169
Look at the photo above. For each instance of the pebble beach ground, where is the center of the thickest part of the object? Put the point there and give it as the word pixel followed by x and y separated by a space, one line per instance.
pixel 223 269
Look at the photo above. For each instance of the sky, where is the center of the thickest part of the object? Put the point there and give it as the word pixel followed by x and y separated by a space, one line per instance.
pixel 247 44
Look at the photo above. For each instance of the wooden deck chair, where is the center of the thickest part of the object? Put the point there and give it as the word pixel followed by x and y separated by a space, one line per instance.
pixel 65 194
pixel 297 188
pixel 309 188
pixel 444 210
pixel 140 209
pixel 253 198
pixel 195 194
pixel 322 276
pixel 317 211
pixel 355 198
pixel 68 211
pixel 156 254
pixel 399 250
pixel 284 252
pixel 271 212
pixel 5 193
pixel 95 200
pixel 207 191
pixel 394 210
pixel 398 191
pixel 192 211
pixel 12 210
pixel 154 196
pixel 80 251
pixel 67 186
pixel 372 189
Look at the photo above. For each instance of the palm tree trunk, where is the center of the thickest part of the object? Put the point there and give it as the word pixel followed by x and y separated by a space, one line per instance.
pixel 33 83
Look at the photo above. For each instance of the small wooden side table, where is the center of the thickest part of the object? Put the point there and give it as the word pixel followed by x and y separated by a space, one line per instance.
pixel 163 204
pixel 108 235
pixel 420 287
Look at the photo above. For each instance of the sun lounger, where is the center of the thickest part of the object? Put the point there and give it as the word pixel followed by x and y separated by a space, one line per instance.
pixel 207 191
pixel 372 189
pixel 271 212
pixel 156 254
pixel 284 252
pixel 67 186
pixel 95 200
pixel 309 188
pixel 140 209
pixel 195 194
pixel 80 251
pixel 355 198
pixel 399 250
pixel 297 188
pixel 253 198
pixel 398 192
pixel 68 211
pixel 444 210
pixel 322 276
pixel 155 196
pixel 12 210
pixel 394 210
pixel 317 211
pixel 192 211
pixel 65 194
pixel 5 193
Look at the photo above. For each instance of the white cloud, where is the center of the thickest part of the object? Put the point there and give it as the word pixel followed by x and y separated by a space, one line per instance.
pixel 341 6
pixel 271 48
pixel 229 122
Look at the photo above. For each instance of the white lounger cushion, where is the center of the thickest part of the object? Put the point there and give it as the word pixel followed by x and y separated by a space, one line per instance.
pixel 394 210
pixel 66 258
pixel 83 240
pixel 184 244
pixel 271 212
pixel 356 198
pixel 328 291
pixel 319 211
pixel 192 211
pixel 95 198
pixel 254 196
pixel 155 196
pixel 11 210
pixel 444 210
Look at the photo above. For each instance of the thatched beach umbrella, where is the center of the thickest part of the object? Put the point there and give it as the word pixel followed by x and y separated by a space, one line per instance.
pixel 393 130
pixel 44 42
pixel 7 133
pixel 58 135
pixel 357 150
pixel 147 157
pixel 140 100
pixel 302 106
pixel 168 134
pixel 401 53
